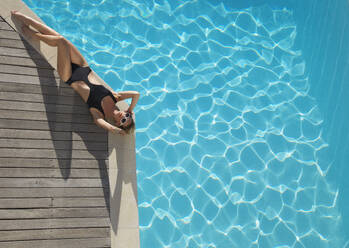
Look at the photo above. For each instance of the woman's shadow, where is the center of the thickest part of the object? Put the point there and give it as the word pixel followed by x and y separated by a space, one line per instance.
pixel 69 121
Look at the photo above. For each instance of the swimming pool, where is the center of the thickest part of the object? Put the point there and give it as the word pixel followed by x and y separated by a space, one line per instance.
pixel 242 121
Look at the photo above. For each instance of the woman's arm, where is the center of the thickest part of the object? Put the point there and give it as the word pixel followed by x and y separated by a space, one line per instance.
pixel 128 94
pixel 110 128
pixel 99 120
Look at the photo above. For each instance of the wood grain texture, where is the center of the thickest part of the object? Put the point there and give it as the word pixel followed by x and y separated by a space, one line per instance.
pixel 37 63
pixel 50 144
pixel 52 163
pixel 44 90
pixel 54 184
pixel 32 71
pixel 39 98
pixel 44 234
pixel 59 243
pixel 44 107
pixel 50 192
pixel 50 126
pixel 4 26
pixel 44 213
pixel 88 138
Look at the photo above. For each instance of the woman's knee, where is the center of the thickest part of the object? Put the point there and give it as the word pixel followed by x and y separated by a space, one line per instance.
pixel 61 41
pixel 53 40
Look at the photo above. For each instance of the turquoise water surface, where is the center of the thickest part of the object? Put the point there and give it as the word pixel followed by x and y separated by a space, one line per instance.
pixel 242 121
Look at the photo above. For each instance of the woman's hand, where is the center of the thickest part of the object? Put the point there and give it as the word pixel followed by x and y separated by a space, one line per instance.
pixel 130 111
pixel 128 94
pixel 122 132
pixel 117 130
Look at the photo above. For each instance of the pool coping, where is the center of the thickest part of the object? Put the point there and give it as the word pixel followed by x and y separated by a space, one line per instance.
pixel 124 224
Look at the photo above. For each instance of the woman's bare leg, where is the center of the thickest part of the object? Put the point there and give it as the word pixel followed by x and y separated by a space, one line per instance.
pixel 28 21
pixel 50 40
pixel 75 56
pixel 63 50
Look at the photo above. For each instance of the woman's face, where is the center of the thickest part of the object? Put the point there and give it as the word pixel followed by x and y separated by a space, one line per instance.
pixel 122 118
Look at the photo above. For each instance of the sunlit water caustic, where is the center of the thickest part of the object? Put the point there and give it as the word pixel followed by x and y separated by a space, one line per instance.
pixel 242 122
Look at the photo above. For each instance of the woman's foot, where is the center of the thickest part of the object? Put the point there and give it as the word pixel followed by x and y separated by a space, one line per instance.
pixel 51 40
pixel 19 16
pixel 13 12
pixel 28 21
pixel 27 31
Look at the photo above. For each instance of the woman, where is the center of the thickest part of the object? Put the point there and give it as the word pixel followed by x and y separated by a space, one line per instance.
pixel 74 70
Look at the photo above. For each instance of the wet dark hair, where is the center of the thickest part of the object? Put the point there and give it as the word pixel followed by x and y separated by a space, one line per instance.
pixel 129 128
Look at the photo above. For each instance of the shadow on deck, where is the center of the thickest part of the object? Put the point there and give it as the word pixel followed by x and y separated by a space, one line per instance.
pixel 57 189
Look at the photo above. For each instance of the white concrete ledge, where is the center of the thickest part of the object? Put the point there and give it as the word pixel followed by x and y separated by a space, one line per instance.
pixel 122 160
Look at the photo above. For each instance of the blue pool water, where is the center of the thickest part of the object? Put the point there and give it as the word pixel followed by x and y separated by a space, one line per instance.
pixel 242 124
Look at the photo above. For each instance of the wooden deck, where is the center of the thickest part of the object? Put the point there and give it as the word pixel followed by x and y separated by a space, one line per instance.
pixel 53 159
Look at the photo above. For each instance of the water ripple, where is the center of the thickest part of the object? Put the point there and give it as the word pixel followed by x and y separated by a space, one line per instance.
pixel 230 150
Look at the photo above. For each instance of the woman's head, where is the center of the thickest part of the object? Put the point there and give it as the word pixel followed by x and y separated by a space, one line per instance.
pixel 124 121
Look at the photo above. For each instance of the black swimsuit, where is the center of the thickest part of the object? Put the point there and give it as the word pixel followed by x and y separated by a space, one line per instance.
pixel 97 92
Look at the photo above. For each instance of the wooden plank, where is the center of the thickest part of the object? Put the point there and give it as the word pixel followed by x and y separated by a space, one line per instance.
pixel 52 126
pixel 43 107
pixel 53 223
pixel 55 234
pixel 59 243
pixel 52 183
pixel 53 158
pixel 51 202
pixel 55 136
pixel 30 213
pixel 42 116
pixel 27 79
pixel 32 71
pixel 51 153
pixel 50 144
pixel 5 26
pixel 51 192
pixel 11 43
pixel 9 34
pixel 44 213
pixel 37 63
pixel 79 202
pixel 84 212
pixel 18 52
pixel 52 163
pixel 28 97
pixel 15 44
pixel 50 173
pixel 25 203
pixel 39 98
pixel 36 89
